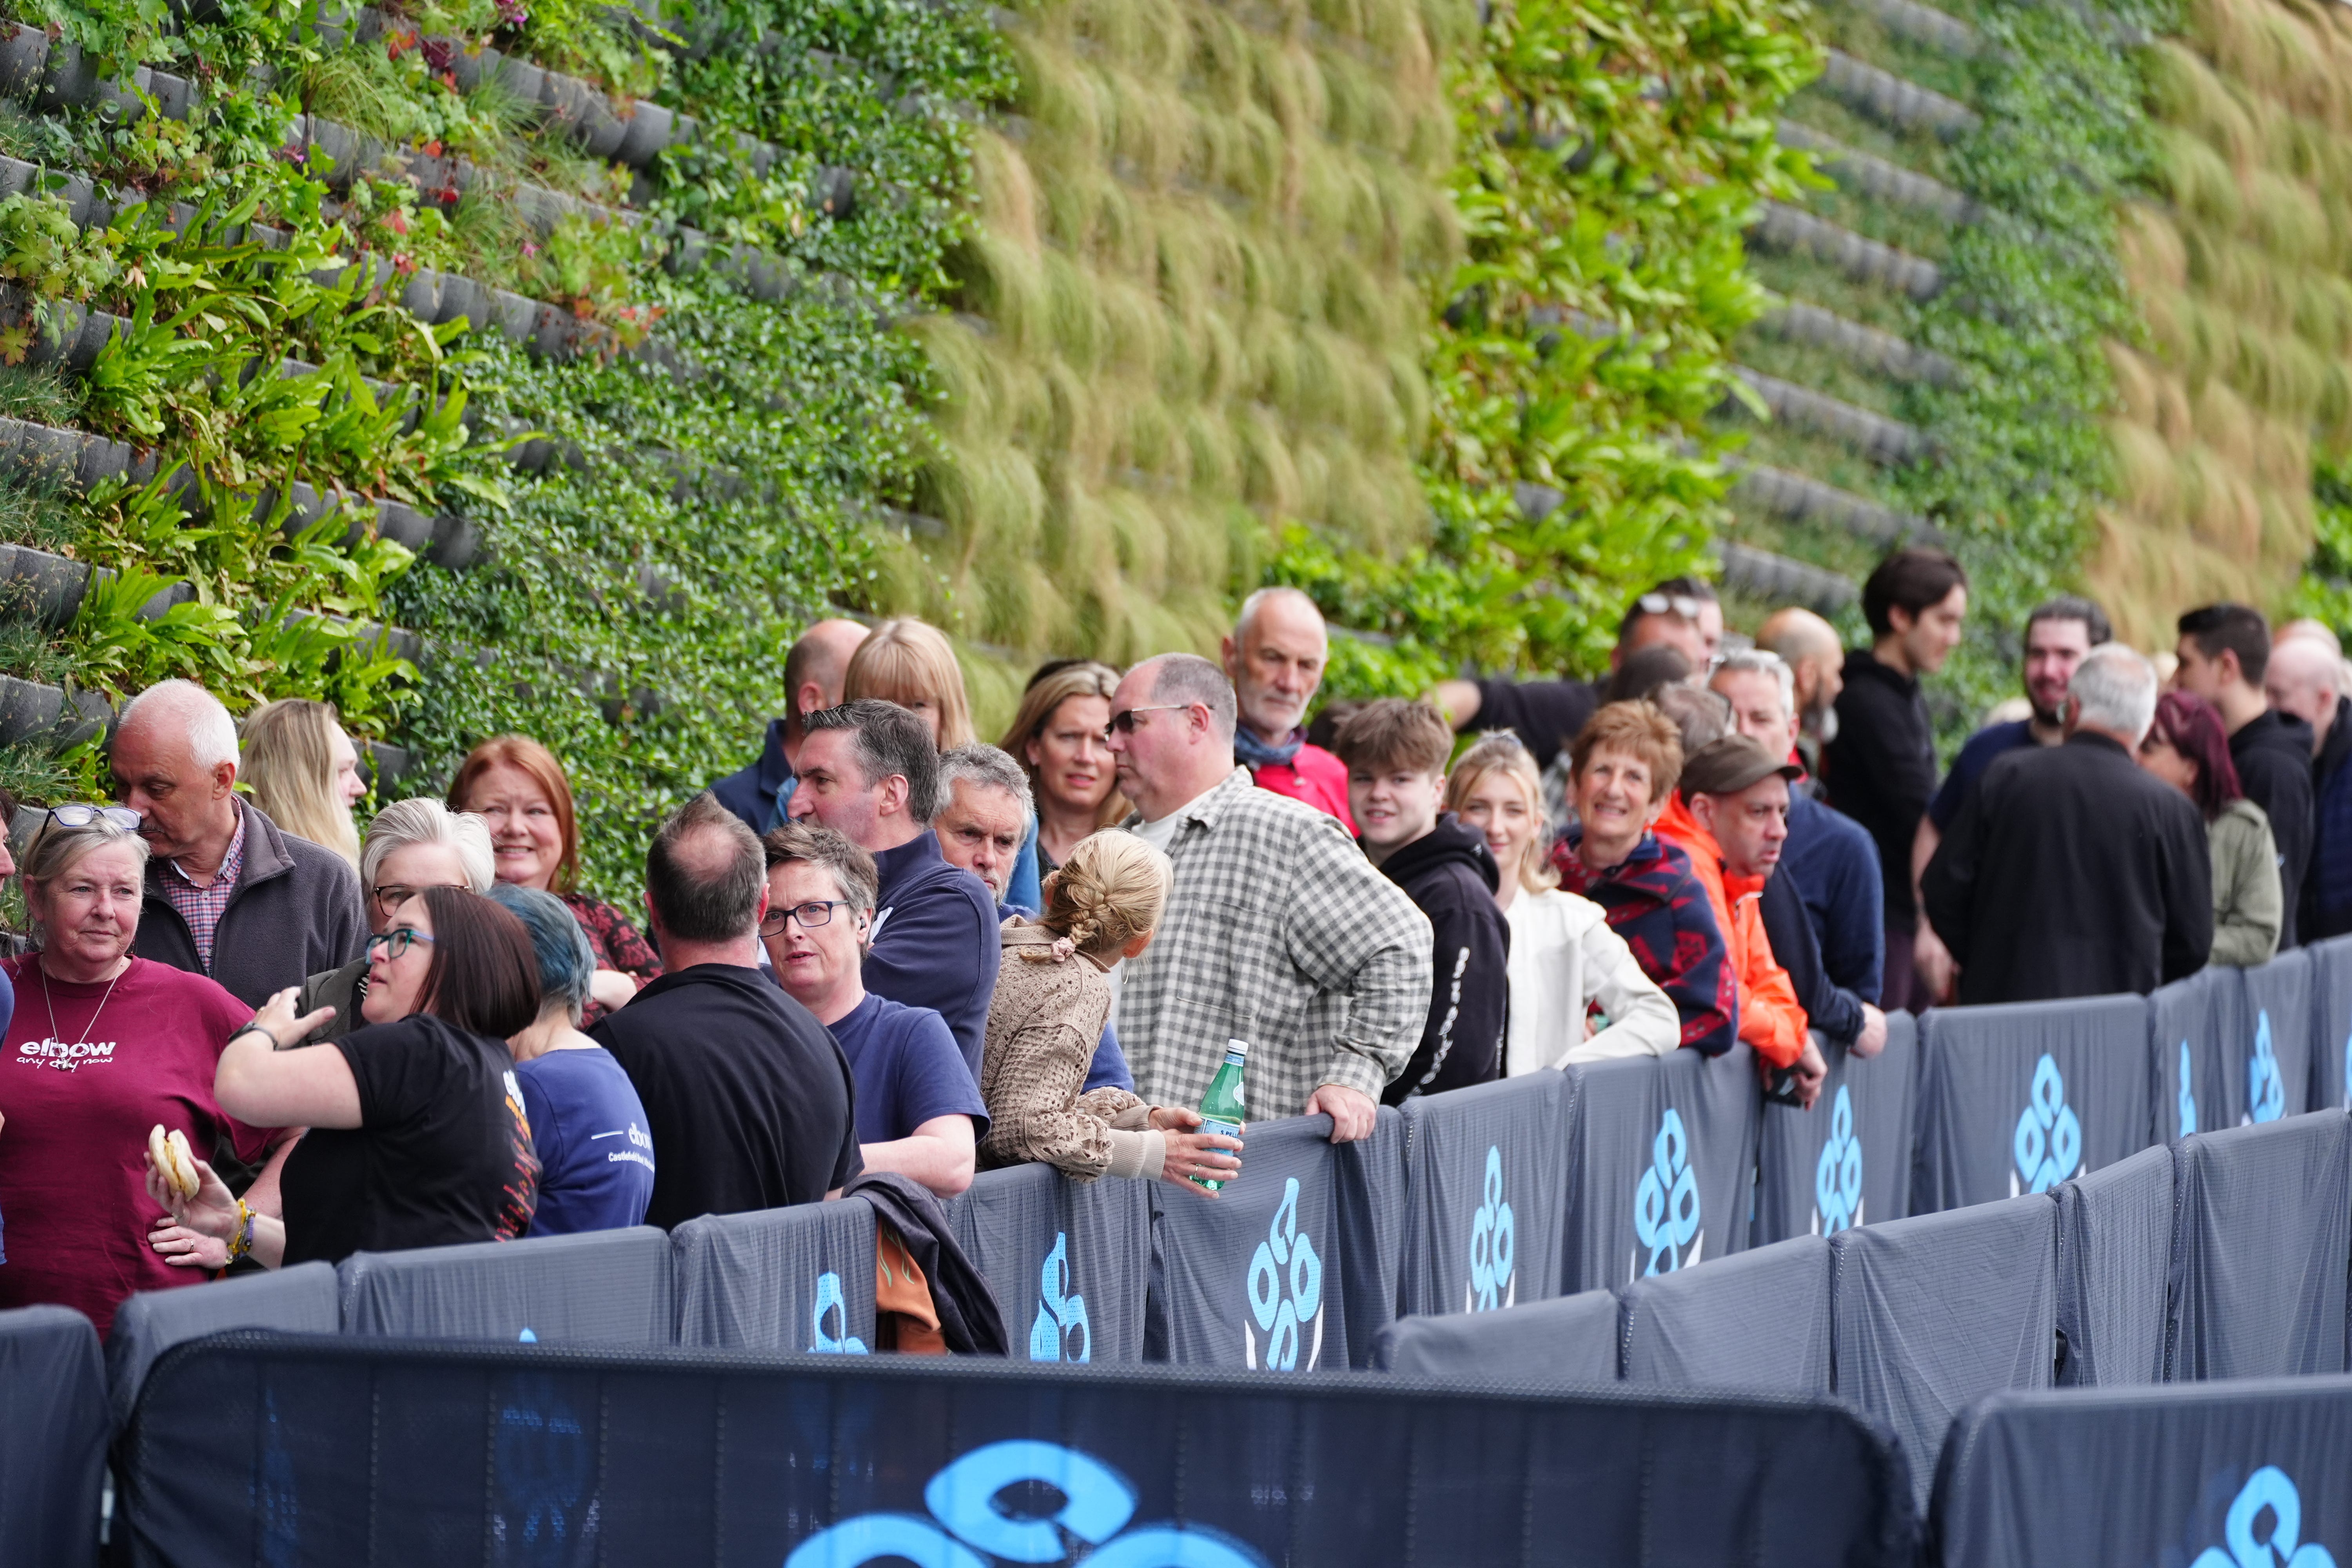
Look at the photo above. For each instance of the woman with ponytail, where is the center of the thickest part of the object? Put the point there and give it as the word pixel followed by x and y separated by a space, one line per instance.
pixel 1053 996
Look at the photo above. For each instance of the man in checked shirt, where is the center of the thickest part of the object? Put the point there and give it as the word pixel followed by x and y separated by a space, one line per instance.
pixel 1278 932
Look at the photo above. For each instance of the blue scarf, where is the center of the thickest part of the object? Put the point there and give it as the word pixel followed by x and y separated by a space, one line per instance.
pixel 1253 753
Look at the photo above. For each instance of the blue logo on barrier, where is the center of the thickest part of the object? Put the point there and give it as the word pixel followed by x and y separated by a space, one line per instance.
pixel 2188 1102
pixel 1493 1244
pixel 1666 1206
pixel 1837 1180
pixel 838 1341
pixel 2265 1088
pixel 1284 1257
pixel 968 1526
pixel 1061 1311
pixel 545 1464
pixel 2267 1491
pixel 2049 1141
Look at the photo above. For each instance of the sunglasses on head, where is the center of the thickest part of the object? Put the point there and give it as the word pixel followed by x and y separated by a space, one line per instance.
pixel 1681 604
pixel 82 815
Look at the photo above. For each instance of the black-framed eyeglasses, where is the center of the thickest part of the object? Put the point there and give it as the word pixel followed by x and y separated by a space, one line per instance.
pixel 82 814
pixel 396 942
pixel 1123 721
pixel 1681 604
pixel 812 914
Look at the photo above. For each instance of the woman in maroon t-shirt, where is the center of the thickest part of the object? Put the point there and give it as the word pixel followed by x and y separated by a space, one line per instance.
pixel 103 1046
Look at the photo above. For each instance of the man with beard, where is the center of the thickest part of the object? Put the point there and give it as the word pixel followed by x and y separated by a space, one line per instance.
pixel 1274 659
pixel 2058 633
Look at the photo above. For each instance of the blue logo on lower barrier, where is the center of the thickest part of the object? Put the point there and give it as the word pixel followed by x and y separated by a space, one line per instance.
pixel 1285 1257
pixel 968 1525
pixel 837 1341
pixel 2049 1141
pixel 1492 1244
pixel 2264 1527
pixel 1061 1331
pixel 1666 1206
pixel 2188 1101
pixel 2265 1087
pixel 1837 1180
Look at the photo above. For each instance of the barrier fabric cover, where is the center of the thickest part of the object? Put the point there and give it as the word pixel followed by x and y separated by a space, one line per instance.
pixel 2187 1022
pixel 1664 1159
pixel 2236 1475
pixel 798 1278
pixel 608 1286
pixel 301 1300
pixel 2115 1244
pixel 1569 1341
pixel 2018 1098
pixel 2266 1057
pixel 2331 1022
pixel 53 1432
pixel 1847 1161
pixel 1068 1260
pixel 2261 1226
pixel 1486 1203
pixel 1937 1310
pixel 488 1454
pixel 1757 1321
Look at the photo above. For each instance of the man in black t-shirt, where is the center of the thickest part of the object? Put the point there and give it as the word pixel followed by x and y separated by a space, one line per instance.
pixel 748 1099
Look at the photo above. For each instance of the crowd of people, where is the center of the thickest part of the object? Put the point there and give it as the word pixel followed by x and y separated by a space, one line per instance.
pixel 888 951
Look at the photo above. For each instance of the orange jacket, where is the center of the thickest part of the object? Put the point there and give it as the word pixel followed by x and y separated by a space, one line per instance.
pixel 1771 1020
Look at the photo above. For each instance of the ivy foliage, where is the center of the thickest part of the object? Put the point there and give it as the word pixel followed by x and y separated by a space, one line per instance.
pixel 1613 153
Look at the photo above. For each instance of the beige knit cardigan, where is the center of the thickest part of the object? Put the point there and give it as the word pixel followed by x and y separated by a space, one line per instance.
pixel 1043 1027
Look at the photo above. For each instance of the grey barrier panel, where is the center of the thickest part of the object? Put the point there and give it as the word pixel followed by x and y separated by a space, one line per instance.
pixel 301 1300
pixel 52 1435
pixel 1847 1161
pixel 1487 1183
pixel 2188 1021
pixel 367 1453
pixel 1665 1153
pixel 1760 1320
pixel 1068 1260
pixel 2262 1229
pixel 2331 1022
pixel 2115 1249
pixel 1253 1277
pixel 1371 1220
pixel 1569 1340
pixel 2018 1098
pixel 1935 1312
pixel 798 1278
pixel 608 1286
pixel 2266 1059
pixel 2235 1475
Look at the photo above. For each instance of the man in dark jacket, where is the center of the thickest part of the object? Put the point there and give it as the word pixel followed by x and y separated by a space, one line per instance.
pixel 1881 768
pixel 1395 755
pixel 2306 680
pixel 869 771
pixel 2225 651
pixel 2071 871
pixel 814 668
pixel 228 894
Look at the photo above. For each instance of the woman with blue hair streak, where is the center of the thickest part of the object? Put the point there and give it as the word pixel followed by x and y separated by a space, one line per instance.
pixel 587 1124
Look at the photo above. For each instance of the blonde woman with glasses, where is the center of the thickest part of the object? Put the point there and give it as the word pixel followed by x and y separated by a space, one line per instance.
pixel 1566 964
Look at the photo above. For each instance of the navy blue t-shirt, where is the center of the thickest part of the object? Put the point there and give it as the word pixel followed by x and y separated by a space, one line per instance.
pixel 1968 767
pixel 588 1127
pixel 907 1068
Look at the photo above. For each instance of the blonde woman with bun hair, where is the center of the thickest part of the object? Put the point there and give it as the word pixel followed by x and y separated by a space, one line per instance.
pixel 303 772
pixel 1053 997
pixel 1565 962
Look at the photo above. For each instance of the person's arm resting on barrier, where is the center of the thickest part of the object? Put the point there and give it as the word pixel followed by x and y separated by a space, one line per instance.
pixel 1352 931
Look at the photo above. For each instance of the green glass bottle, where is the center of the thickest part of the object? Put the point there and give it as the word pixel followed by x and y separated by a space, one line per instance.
pixel 1222 1109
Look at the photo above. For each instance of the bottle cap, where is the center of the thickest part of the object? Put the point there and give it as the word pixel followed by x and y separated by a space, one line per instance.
pixel 1237 1048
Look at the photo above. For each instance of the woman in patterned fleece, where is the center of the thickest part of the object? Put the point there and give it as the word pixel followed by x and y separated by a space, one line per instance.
pixel 1053 994
pixel 1621 768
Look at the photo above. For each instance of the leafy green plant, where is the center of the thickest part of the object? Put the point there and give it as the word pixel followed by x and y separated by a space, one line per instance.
pixel 44 253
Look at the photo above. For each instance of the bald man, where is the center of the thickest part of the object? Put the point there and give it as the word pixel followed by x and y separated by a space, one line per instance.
pixel 1808 645
pixel 814 673
pixel 1274 659
pixel 2306 680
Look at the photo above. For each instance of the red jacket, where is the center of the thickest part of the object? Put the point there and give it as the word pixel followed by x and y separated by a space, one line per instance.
pixel 1771 1017
pixel 1315 777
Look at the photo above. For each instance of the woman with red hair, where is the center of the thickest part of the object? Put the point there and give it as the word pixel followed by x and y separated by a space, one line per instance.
pixel 2188 748
pixel 516 785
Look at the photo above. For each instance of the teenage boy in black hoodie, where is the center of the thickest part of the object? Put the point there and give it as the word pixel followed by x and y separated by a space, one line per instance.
pixel 1395 753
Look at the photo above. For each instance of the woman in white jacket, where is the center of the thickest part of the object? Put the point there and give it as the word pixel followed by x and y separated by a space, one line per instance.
pixel 1564 958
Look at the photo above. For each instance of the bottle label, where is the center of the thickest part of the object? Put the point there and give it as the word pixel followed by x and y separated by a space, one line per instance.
pixel 1216 1124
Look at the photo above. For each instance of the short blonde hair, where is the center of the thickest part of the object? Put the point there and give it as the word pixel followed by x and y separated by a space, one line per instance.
pixel 1112 889
pixel 289 765
pixel 908 662
pixel 1501 752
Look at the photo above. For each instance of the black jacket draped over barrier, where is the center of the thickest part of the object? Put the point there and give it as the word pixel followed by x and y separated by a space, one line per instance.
pixel 969 1318
pixel 2071 871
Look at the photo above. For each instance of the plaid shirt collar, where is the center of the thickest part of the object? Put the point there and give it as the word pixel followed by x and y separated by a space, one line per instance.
pixel 203 907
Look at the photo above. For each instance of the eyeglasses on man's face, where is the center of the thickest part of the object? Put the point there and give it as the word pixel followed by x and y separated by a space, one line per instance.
pixel 812 914
pixel 392 943
pixel 1123 721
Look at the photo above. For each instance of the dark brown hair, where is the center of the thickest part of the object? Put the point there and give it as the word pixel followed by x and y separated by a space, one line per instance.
pixel 705 869
pixel 1912 579
pixel 1394 733
pixel 484 973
